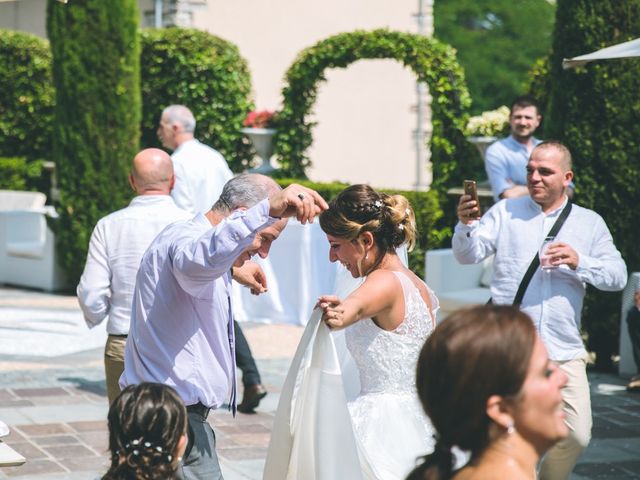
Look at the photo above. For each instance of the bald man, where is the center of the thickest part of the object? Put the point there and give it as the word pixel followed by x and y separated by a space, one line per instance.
pixel 117 244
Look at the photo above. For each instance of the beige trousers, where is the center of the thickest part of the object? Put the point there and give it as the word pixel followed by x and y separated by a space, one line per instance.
pixel 560 460
pixel 114 364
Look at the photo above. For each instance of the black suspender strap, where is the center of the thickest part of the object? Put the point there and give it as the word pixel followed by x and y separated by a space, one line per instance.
pixel 533 266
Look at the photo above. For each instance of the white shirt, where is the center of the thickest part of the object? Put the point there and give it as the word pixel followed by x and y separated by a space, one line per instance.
pixel 181 324
pixel 117 244
pixel 514 229
pixel 200 172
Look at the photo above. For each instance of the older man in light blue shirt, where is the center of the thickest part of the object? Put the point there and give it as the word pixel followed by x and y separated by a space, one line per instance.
pixel 582 252
pixel 182 325
pixel 117 244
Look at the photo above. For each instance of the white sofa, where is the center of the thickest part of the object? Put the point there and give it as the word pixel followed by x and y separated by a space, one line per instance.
pixel 27 244
pixel 457 285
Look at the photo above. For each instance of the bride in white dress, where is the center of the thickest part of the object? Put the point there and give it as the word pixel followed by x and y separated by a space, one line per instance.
pixel 380 432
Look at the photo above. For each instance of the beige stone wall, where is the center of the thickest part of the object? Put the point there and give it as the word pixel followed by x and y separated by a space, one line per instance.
pixel 365 113
pixel 24 15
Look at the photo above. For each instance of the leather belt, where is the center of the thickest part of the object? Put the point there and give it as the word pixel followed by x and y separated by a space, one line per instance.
pixel 200 409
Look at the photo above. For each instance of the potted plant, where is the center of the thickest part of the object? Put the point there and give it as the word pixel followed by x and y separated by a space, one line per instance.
pixel 482 130
pixel 257 127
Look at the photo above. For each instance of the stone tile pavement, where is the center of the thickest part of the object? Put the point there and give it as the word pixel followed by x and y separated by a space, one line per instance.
pixel 53 397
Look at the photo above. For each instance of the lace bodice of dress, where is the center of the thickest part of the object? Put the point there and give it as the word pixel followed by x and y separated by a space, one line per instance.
pixel 386 360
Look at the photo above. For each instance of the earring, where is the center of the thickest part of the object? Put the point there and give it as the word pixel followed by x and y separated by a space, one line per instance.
pixel 366 255
pixel 511 428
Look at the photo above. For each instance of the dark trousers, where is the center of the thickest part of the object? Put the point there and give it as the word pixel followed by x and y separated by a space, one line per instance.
pixel 633 324
pixel 200 461
pixel 244 359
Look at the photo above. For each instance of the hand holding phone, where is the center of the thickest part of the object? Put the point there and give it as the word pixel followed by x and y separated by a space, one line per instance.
pixel 470 188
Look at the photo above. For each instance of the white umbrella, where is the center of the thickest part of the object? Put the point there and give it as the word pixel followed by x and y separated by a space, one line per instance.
pixel 621 50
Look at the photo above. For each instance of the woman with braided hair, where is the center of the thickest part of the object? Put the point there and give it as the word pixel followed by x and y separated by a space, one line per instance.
pixel 486 382
pixel 353 413
pixel 386 322
pixel 147 433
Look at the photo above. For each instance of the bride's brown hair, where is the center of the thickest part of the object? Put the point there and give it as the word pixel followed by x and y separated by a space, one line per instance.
pixel 359 208
pixel 473 354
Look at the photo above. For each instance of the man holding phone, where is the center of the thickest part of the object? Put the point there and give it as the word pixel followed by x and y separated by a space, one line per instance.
pixel 581 252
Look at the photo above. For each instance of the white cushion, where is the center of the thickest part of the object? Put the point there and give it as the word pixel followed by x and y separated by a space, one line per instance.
pixel 20 200
pixel 26 249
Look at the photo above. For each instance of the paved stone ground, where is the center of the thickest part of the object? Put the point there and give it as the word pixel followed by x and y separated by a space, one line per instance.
pixel 53 397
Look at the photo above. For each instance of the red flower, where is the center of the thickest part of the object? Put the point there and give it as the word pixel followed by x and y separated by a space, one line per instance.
pixel 261 119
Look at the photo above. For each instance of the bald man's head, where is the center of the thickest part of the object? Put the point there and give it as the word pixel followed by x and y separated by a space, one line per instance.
pixel 152 172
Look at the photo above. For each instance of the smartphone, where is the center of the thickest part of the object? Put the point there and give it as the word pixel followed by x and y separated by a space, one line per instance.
pixel 470 188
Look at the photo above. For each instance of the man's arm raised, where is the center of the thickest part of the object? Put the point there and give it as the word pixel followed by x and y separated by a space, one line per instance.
pixel 297 201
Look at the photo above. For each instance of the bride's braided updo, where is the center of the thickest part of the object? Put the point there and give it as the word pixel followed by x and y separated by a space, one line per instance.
pixel 359 208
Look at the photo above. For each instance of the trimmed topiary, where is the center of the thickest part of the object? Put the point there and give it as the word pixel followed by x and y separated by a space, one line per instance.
pixel 594 111
pixel 433 63
pixel 26 95
pixel 205 73
pixel 95 46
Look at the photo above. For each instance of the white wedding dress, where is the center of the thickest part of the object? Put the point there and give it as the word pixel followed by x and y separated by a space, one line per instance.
pixel 335 421
pixel 388 420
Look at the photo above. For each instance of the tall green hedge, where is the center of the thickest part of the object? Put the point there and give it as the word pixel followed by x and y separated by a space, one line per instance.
pixel 433 62
pixel 96 54
pixel 16 173
pixel 425 205
pixel 26 96
pixel 205 73
pixel 594 111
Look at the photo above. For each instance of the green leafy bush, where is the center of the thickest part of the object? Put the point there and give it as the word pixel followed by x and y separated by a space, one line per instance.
pixel 26 95
pixel 433 63
pixel 205 73
pixel 16 173
pixel 95 46
pixel 425 205
pixel 594 111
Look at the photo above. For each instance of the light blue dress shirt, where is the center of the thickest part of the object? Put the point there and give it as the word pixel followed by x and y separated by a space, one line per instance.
pixel 506 164
pixel 181 330
pixel 514 229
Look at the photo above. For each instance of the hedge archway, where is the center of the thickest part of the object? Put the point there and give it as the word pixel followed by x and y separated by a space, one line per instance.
pixel 433 63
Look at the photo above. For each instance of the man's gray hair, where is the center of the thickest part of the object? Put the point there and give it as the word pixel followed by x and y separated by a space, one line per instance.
pixel 245 190
pixel 181 115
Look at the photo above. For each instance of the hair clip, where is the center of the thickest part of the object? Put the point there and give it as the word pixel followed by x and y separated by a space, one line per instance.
pixel 135 442
pixel 400 227
pixel 136 452
pixel 378 203
pixel 159 449
pixel 408 211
